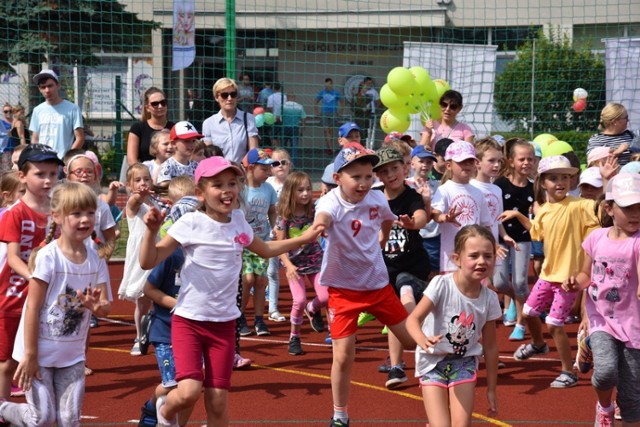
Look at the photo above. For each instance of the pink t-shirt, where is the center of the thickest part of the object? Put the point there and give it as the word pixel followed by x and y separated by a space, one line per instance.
pixel 459 131
pixel 612 303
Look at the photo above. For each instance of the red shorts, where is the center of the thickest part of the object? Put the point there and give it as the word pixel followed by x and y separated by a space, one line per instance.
pixel 346 304
pixel 8 332
pixel 195 341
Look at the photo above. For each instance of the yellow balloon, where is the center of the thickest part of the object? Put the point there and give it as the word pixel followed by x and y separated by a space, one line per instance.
pixel 544 138
pixel 435 112
pixel 394 121
pixel 441 87
pixel 401 81
pixel 555 148
pixel 390 99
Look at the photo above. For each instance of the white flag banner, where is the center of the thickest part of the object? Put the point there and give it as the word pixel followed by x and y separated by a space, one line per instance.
pixel 184 30
pixel 623 75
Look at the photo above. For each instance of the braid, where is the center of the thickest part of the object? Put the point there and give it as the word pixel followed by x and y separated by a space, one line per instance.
pixel 105 249
pixel 49 237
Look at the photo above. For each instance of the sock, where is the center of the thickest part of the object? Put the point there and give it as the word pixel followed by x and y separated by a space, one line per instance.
pixel 294 334
pixel 340 413
pixel 606 410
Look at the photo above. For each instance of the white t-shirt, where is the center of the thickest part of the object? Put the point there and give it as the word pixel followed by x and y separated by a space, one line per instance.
pixel 353 258
pixel 133 276
pixel 211 270
pixel 64 322
pixel 458 318
pixel 104 218
pixel 474 210
pixel 493 195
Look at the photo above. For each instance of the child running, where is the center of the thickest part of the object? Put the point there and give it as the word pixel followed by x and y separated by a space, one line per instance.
pixel 68 282
pixel 458 308
pixel 353 267
pixel 562 223
pixel 204 319
pixel 610 271
pixel 23 227
pixel 295 215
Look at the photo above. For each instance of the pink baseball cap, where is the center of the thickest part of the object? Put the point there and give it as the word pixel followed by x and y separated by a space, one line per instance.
pixel 592 177
pixel 597 153
pixel 557 164
pixel 212 166
pixel 624 189
pixel 459 151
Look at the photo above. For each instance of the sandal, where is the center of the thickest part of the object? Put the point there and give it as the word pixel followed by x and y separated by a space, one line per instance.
pixel 565 380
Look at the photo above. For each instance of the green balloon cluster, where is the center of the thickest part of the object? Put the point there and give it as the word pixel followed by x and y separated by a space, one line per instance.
pixel 551 146
pixel 410 91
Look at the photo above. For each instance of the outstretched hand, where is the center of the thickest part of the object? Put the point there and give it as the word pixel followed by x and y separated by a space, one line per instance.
pixel 312 233
pixel 451 216
pixel 91 299
pixel 610 167
pixel 153 219
pixel 406 221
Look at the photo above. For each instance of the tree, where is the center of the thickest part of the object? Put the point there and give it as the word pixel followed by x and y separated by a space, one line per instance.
pixel 68 32
pixel 559 70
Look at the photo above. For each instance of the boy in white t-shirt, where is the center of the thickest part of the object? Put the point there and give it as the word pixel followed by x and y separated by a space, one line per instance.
pixel 457 203
pixel 184 136
pixel 353 267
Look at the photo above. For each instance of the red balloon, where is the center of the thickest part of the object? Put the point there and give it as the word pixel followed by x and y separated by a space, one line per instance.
pixel 258 110
pixel 580 105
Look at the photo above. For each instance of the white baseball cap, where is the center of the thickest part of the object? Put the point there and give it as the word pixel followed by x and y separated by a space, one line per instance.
pixel 592 177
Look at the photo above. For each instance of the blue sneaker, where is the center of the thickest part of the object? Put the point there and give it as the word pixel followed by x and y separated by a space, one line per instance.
pixel 510 316
pixel 517 334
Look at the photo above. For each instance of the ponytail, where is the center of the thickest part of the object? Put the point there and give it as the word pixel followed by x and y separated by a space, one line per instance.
pixel 49 237
pixel 105 249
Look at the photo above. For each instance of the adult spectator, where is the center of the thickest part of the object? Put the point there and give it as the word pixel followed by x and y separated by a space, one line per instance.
pixel 264 94
pixel 153 119
pixel 18 131
pixel 372 117
pixel 5 139
pixel 231 129
pixel 293 117
pixel 246 94
pixel 448 126
pixel 614 135
pixel 56 122
pixel 328 102
pixel 361 109
pixel 274 105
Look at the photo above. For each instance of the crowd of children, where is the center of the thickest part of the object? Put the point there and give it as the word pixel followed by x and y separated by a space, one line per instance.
pixel 418 239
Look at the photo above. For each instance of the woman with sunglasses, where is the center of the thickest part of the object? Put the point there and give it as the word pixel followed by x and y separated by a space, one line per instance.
pixel 231 129
pixel 614 135
pixel 153 119
pixel 448 126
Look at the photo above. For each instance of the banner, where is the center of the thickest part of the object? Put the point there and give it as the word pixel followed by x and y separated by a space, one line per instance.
pixel 184 30
pixel 623 76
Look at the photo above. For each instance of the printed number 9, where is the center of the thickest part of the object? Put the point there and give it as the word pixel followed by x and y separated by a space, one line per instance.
pixel 356 225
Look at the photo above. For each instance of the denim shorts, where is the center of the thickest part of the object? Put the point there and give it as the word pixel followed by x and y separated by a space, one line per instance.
pixel 166 364
pixel 451 371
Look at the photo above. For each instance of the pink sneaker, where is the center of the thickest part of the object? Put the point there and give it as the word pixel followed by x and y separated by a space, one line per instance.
pixel 240 362
pixel 604 418
pixel 16 391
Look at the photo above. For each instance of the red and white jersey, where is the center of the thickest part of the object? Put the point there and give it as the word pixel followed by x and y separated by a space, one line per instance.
pixel 353 257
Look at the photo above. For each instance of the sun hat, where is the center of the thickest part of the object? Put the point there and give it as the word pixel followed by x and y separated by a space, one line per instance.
pixel 460 151
pixel 184 130
pixel 257 156
pixel 212 166
pixel 422 153
pixel 35 153
pixel 597 153
pixel 624 189
pixel 348 155
pixel 592 177
pixel 557 164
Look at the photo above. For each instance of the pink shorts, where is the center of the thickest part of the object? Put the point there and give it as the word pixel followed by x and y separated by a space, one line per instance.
pixel 345 305
pixel 550 294
pixel 8 332
pixel 195 341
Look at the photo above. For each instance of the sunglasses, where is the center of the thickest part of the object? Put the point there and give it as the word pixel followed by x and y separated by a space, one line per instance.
pixel 155 104
pixel 225 95
pixel 451 106
pixel 277 163
pixel 7 111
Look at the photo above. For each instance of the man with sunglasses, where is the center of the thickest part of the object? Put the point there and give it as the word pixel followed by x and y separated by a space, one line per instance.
pixel 448 126
pixel 56 122
pixel 231 129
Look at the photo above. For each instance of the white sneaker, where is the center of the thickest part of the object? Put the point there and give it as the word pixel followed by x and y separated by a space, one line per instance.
pixel 276 316
pixel 162 421
pixel 135 350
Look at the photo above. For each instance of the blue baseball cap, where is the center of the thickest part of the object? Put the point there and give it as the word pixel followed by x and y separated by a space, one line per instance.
pixel 631 167
pixel 257 156
pixel 350 154
pixel 38 153
pixel 327 175
pixel 422 153
pixel 344 130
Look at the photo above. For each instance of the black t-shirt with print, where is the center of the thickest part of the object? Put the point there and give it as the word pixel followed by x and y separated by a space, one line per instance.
pixel 519 199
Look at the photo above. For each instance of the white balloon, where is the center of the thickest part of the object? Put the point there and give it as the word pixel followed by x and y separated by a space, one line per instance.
pixel 580 93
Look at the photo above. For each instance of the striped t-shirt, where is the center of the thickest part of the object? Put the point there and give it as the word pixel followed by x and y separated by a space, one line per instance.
pixel 613 141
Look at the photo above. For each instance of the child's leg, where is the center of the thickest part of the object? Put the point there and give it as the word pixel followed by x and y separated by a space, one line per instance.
pixel 7 369
pixel 520 277
pixel 628 388
pixel 540 298
pixel 436 405
pixel 8 332
pixel 248 282
pixel 68 384
pixel 299 296
pixel 606 351
pixel 560 309
pixel 322 293
pixel 143 304
pixel 217 407
pixel 344 353
pixel 259 286
pixel 273 273
pixel 40 407
pixel 562 343
pixel 461 403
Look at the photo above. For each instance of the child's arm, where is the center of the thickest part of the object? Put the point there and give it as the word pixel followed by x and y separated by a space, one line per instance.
pixel 96 299
pixel 414 325
pixel 112 193
pixel 441 217
pixel 277 247
pixel 490 348
pixel 415 222
pixel 136 200
pixel 582 279
pixel 272 215
pixel 291 269
pixel 158 297
pixel 28 366
pixel 510 214
pixel 385 229
pixel 15 261
pixel 152 253
pixel 506 238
